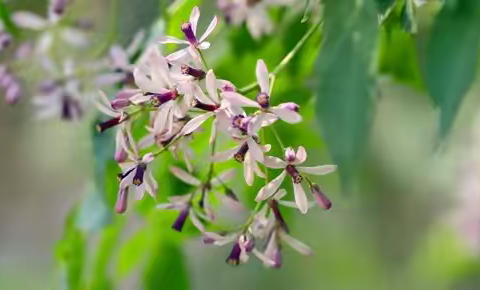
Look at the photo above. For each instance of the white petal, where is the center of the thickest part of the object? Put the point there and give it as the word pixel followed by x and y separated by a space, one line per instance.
pixel 286 115
pixel 265 260
pixel 196 222
pixel 204 45
pixel 295 244
pixel 210 83
pixel 140 99
pixel 171 39
pixel 248 170
pixel 163 115
pixel 266 147
pixel 274 162
pixel 147 158
pixel 262 76
pixel 74 37
pixel 255 124
pixel 236 99
pixel 255 150
pixel 29 20
pixel 109 79
pixel 256 169
pixel 178 55
pixel 223 177
pixel 280 194
pixel 318 170
pixel 301 155
pixel 194 16
pixel 272 187
pixel 300 197
pixel 210 28
pixel 136 42
pixel 225 155
pixel 140 191
pixel 184 176
pixel 197 91
pixel 196 122
pixel 119 56
pixel 104 109
pixel 143 82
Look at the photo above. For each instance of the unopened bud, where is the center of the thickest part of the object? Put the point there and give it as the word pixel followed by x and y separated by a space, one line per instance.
pixel 320 197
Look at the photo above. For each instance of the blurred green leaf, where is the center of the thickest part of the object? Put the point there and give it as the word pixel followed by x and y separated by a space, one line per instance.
pixel 70 252
pixel 344 105
pixel 166 268
pixel 384 5
pixel 6 19
pixel 132 252
pixel 452 56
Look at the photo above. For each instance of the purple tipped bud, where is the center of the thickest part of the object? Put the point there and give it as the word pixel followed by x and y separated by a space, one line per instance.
pixel 290 106
pixel 121 155
pixel 290 154
pixel 121 204
pixel 159 99
pixel 139 173
pixel 263 100
pixel 119 104
pixel 196 73
pixel 181 219
pixel 208 240
pixel 293 172
pixel 320 197
pixel 58 6
pixel 234 257
pixel 108 124
pixel 189 34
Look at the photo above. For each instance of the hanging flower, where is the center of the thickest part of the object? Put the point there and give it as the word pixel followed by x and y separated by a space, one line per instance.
pixel 290 166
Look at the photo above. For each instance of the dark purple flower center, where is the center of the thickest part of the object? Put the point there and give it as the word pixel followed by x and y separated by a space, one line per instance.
pixel 139 173
pixel 240 155
pixel 161 98
pixel 234 257
pixel 263 100
pixel 108 124
pixel 196 73
pixel 293 172
pixel 202 106
pixel 181 219
pixel 189 34
pixel 70 109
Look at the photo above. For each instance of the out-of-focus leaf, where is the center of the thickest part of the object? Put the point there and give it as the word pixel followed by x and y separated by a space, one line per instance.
pixel 384 5
pixel 344 105
pixel 105 249
pixel 6 19
pixel 70 252
pixel 132 252
pixel 166 268
pixel 93 213
pixel 451 57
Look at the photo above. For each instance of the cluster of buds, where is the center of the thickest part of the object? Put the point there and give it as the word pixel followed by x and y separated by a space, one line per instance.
pixel 179 93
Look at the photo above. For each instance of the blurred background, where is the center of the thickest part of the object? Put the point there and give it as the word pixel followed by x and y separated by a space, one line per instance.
pixel 406 210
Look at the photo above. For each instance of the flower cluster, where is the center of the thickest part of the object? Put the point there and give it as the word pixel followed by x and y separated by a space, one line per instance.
pixel 179 94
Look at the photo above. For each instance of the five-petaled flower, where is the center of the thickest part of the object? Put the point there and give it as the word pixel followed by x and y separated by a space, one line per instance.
pixel 290 166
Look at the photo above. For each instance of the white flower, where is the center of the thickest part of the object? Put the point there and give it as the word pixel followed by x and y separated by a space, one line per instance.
pixel 138 175
pixel 286 111
pixel 290 167
pixel 194 43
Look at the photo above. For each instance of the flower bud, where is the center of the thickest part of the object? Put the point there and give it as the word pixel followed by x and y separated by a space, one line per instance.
pixel 290 106
pixel 121 204
pixel 320 197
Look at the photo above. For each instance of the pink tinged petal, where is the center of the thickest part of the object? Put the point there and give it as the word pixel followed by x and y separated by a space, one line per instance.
pixel 256 169
pixel 225 155
pixel 204 45
pixel 196 222
pixel 210 28
pixel 255 150
pixel 262 76
pixel 255 124
pixel 184 176
pixel 196 122
pixel 197 91
pixel 287 115
pixel 223 177
pixel 272 187
pixel 301 155
pixel 162 118
pixel 119 56
pixel 120 153
pixel 264 259
pixel 300 197
pixel 236 99
pixel 295 244
pixel 248 170
pixel 266 147
pixel 143 82
pixel 194 16
pixel 274 162
pixel 269 119
pixel 171 39
pixel 139 191
pixel 318 170
pixel 104 109
pixel 211 86
pixel 147 158
pixel 140 99
pixel 280 194
pixel 29 20
pixel 131 140
pixel 195 55
pixel 150 189
pixel 178 55
pixel 109 79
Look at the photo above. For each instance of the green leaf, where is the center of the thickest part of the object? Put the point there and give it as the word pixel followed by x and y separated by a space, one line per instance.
pixel 344 104
pixel 7 20
pixel 384 5
pixel 452 56
pixel 166 268
pixel 132 252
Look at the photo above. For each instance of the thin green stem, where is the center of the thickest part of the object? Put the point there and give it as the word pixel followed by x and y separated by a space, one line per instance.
pixel 277 137
pixel 285 60
pixel 203 59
